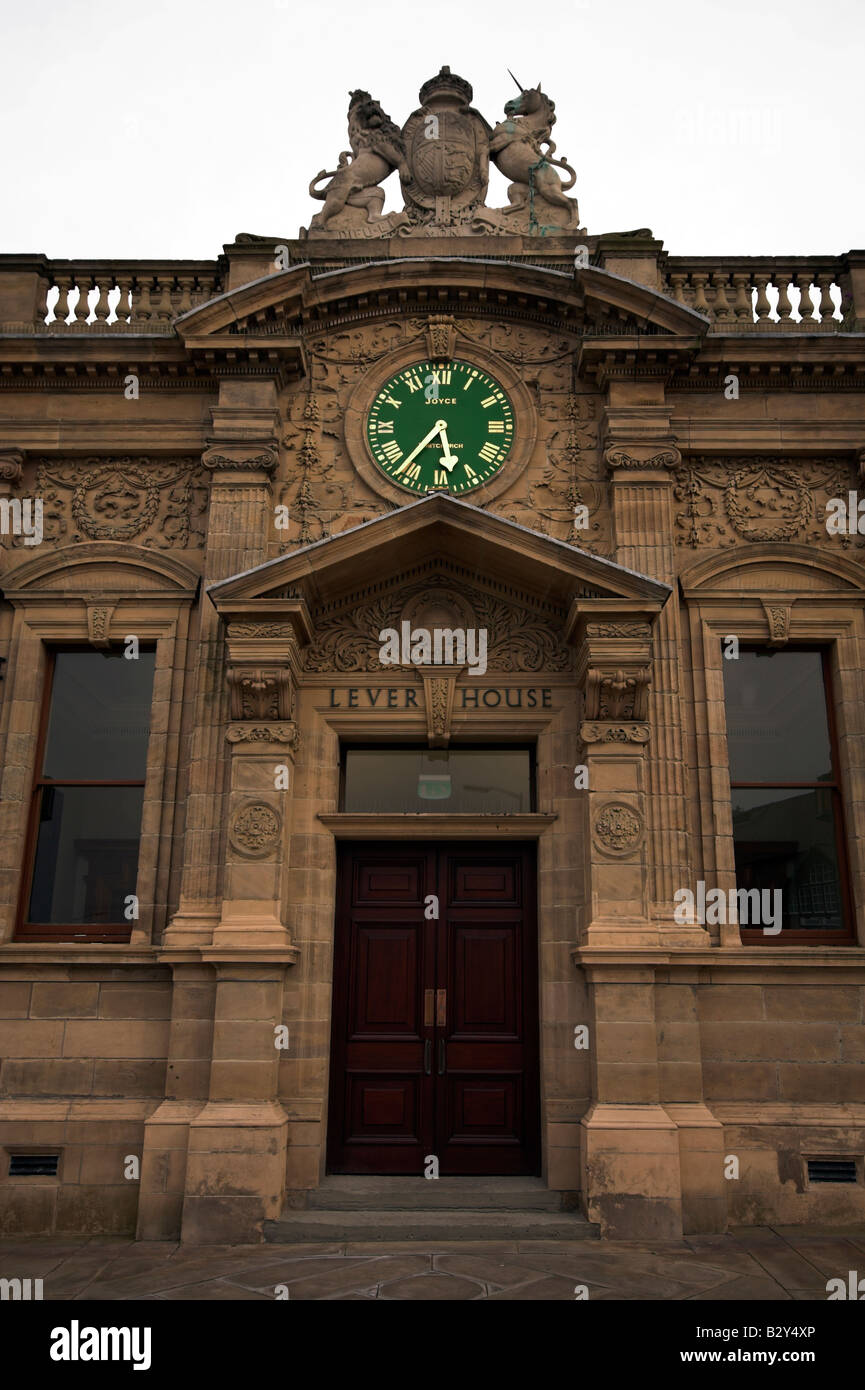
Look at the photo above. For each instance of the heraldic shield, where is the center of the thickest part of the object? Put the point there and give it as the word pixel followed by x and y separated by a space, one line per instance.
pixel 447 149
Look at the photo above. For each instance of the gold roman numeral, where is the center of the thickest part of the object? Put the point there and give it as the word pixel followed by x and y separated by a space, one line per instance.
pixel 470 472
pixel 385 426
pixel 490 400
pixel 392 450
pixel 494 427
pixel 441 478
pixel 489 452
pixel 413 384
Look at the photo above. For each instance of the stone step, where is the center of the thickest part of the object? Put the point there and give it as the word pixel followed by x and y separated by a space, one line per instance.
pixel 298 1227
pixel 350 1193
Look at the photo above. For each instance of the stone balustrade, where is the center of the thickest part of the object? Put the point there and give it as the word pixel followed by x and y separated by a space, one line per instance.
pixel 806 293
pixel 135 296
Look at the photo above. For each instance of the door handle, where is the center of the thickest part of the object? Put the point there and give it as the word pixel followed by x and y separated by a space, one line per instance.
pixel 442 1056
pixel 427 1057
pixel 441 1008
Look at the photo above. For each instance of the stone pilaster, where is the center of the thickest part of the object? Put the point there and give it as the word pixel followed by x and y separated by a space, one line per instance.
pixel 641 488
pixel 239 524
pixel 614 671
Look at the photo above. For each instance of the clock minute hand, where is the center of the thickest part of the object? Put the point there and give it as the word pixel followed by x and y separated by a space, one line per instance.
pixel 436 429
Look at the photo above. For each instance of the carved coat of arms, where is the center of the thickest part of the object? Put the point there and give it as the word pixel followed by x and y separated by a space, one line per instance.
pixel 447 151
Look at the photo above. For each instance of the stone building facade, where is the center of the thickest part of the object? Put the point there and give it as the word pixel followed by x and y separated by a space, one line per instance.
pixel 237 950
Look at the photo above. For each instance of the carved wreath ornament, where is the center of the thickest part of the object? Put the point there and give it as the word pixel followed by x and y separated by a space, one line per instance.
pixel 618 828
pixel 254 830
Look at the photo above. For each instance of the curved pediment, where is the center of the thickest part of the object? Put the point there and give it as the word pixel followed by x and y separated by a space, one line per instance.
pixel 773 567
pixel 590 297
pixel 122 569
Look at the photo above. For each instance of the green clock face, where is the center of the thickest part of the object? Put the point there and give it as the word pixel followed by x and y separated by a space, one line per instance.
pixel 443 424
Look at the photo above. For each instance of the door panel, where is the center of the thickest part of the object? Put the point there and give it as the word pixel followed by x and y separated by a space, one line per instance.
pixel 435 1022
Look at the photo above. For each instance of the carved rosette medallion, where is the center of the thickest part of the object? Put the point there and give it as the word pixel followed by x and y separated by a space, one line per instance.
pixel 255 830
pixel 618 828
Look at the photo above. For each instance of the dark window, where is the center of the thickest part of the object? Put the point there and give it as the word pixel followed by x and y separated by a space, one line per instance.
pixel 86 816
pixel 786 795
pixel 464 780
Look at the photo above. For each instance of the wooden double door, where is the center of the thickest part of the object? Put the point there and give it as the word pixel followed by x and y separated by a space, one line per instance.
pixel 435 1018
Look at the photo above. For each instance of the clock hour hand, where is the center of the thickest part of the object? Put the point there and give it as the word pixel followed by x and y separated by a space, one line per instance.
pixel 447 459
pixel 436 429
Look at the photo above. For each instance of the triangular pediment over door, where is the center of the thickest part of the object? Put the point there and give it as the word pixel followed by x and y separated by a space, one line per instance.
pixel 437 562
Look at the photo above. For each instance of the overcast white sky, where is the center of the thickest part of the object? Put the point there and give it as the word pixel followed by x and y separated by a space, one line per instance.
pixel 163 128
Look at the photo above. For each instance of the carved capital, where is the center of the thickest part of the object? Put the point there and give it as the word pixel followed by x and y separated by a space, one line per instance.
pixel 640 631
pixel 597 732
pixel 11 470
pixel 285 732
pixel 617 694
pixel 239 457
pixel 260 693
pixel 645 458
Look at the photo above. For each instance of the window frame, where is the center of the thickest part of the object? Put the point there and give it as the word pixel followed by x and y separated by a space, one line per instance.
pixel 809 935
pixel 456 746
pixel 64 932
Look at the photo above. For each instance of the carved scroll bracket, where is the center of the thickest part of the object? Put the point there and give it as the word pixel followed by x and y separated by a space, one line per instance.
pixel 441 333
pixel 99 615
pixel 778 618
pixel 438 688
pixel 11 470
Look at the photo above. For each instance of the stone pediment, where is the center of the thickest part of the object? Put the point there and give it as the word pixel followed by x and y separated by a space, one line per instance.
pixel 436 562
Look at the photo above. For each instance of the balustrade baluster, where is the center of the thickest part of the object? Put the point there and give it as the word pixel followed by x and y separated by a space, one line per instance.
pixel 698 280
pixel 102 308
pixel 782 284
pixel 82 308
pixel 806 303
pixel 723 312
pixel 762 307
pixel 185 302
pixel 163 306
pixel 122 307
pixel 742 304
pixel 827 303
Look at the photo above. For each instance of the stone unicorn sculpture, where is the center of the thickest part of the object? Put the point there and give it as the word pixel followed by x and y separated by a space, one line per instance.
pixel 517 149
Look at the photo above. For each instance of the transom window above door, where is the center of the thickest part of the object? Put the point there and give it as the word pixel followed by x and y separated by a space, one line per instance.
pixel 459 780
